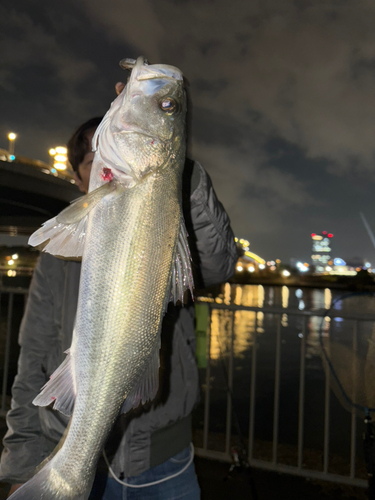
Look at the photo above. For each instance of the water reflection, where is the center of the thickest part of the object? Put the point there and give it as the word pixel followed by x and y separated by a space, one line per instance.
pixel 352 356
pixel 337 335
pixel 316 327
pixel 284 303
pixel 238 296
pixel 260 295
pixel 227 293
pixel 285 296
pixel 327 298
pixel 271 295
pixel 244 321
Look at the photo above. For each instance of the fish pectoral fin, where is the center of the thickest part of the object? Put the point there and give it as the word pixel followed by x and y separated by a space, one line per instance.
pixel 64 235
pixel 59 390
pixel 148 385
pixel 81 207
pixel 182 274
pixel 60 239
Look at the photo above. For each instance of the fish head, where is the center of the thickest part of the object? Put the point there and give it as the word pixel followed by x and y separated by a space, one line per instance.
pixel 145 128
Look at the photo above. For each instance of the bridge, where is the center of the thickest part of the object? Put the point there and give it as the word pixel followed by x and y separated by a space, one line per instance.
pixel 30 193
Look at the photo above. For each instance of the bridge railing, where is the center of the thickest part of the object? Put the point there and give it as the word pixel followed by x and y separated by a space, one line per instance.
pixel 9 334
pixel 273 463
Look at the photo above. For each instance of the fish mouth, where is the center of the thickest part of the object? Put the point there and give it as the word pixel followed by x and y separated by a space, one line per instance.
pixel 130 64
pixel 137 64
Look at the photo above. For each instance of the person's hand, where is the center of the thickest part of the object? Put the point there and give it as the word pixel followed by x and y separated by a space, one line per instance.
pixel 119 87
pixel 13 488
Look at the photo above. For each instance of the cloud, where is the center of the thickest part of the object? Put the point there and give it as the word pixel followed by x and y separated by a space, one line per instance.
pixel 31 49
pixel 308 68
pixel 282 92
pixel 254 187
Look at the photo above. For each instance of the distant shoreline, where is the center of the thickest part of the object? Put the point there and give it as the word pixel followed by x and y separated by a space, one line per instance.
pixel 359 282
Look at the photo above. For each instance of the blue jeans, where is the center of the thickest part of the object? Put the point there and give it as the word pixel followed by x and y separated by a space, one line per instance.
pixel 182 487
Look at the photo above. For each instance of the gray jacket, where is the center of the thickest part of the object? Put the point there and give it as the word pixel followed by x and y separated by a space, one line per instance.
pixel 150 434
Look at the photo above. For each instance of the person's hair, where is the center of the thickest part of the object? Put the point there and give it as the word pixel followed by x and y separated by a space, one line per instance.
pixel 78 145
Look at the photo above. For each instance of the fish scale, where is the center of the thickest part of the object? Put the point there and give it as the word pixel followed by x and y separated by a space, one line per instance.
pixel 130 231
pixel 131 314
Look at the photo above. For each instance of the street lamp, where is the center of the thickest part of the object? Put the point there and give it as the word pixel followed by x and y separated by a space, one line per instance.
pixel 12 137
pixel 59 159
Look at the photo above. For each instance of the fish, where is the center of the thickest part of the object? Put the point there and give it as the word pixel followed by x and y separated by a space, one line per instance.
pixel 129 230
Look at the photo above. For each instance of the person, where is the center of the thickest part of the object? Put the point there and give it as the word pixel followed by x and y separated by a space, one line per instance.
pixel 149 449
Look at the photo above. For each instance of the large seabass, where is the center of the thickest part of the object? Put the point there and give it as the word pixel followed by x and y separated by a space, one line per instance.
pixel 130 232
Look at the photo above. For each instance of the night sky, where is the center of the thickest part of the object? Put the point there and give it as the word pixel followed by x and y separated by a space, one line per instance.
pixel 283 100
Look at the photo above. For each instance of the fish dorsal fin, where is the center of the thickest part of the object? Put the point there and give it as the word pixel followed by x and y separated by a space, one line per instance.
pixel 64 235
pixel 148 385
pixel 60 389
pixel 182 274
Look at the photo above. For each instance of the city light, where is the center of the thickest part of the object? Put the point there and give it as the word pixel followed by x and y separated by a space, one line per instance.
pixel 12 138
pixel 60 166
pixel 286 273
pixel 10 262
pixel 321 251
pixel 11 273
pixel 60 158
pixel 239 268
pixel 255 257
pixel 15 256
pixel 302 267
pixel 261 266
pixel 251 269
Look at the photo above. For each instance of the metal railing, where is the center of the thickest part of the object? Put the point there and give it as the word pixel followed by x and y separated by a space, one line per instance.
pixel 9 293
pixel 273 464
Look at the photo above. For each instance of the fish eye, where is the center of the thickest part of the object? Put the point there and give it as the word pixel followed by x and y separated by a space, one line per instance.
pixel 168 105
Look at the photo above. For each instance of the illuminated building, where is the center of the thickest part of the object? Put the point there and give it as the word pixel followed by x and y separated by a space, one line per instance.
pixel 247 261
pixel 321 250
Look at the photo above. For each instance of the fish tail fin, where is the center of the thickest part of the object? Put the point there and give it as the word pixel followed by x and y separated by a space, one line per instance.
pixel 49 484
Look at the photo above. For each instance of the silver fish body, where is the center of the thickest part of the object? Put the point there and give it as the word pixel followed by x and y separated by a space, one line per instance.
pixel 122 300
pixel 131 246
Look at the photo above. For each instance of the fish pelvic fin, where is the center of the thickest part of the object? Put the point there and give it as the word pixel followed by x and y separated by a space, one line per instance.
pixel 64 235
pixel 48 484
pixel 60 389
pixel 148 385
pixel 182 274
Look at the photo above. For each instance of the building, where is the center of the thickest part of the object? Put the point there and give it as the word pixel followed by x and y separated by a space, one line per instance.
pixel 321 250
